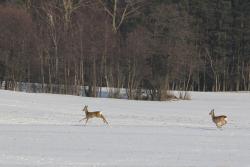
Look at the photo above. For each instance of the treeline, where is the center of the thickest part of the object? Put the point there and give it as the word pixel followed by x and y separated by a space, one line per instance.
pixel 147 46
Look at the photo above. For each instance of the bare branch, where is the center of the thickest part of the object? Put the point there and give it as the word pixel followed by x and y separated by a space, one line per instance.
pixel 105 8
pixel 123 16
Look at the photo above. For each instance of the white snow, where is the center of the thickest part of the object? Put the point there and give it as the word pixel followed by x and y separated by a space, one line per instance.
pixel 44 130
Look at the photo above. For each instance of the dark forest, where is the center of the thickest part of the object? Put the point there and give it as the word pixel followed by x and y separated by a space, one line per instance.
pixel 140 45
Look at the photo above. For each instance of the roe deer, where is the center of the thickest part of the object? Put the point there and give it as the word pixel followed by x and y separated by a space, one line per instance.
pixel 97 114
pixel 218 120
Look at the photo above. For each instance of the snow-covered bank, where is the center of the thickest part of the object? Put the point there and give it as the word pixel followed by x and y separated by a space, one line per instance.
pixel 43 130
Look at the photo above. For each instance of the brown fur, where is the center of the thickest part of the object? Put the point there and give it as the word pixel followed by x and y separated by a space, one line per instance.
pixel 97 114
pixel 218 120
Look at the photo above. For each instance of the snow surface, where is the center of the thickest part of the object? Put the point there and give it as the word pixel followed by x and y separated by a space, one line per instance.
pixel 44 130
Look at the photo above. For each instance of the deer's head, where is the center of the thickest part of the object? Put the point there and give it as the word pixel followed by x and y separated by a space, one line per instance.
pixel 85 108
pixel 211 112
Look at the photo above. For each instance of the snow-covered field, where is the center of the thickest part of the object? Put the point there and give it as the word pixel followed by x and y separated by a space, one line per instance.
pixel 44 130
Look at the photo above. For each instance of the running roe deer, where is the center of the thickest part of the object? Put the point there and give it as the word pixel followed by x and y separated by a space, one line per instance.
pixel 97 114
pixel 218 120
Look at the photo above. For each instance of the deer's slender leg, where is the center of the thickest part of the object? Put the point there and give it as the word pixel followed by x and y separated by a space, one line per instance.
pixel 104 120
pixel 218 126
pixel 86 121
pixel 82 119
